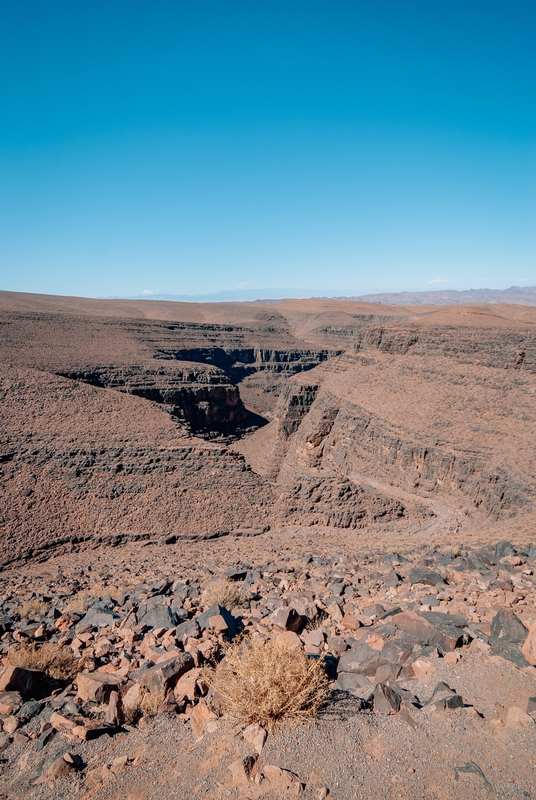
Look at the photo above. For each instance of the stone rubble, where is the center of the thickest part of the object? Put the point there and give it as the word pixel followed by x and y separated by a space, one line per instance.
pixel 380 624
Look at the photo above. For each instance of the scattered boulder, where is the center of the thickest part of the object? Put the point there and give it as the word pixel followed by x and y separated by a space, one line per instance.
pixel 361 659
pixel 443 698
pixel 503 549
pixel 255 735
pixel 27 682
pixel 201 715
pixel 508 635
pixel 96 687
pixel 425 576
pixel 386 699
pixel 166 674
pixel 64 765
pixel 10 702
pixel 154 613
pixel 529 646
pixel 203 620
pixel 286 618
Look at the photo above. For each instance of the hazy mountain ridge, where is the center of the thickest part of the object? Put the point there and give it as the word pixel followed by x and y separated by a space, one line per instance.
pixel 522 295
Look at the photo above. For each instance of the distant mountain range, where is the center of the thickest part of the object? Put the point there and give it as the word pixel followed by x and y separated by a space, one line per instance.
pixel 522 295
pixel 231 296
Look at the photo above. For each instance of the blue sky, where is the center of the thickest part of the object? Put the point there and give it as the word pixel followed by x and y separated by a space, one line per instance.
pixel 328 147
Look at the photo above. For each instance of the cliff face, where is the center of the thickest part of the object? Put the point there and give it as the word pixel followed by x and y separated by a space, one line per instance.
pixel 310 414
pixel 238 363
pixel 498 348
pixel 355 442
pixel 419 432
pixel 79 462
pixel 203 397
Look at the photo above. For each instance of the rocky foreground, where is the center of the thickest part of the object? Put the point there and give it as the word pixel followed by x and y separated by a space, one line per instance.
pixel 430 656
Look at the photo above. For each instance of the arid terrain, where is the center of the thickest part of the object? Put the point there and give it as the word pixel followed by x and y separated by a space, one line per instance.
pixel 363 475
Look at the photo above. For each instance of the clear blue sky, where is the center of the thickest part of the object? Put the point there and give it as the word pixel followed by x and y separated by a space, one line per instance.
pixel 193 147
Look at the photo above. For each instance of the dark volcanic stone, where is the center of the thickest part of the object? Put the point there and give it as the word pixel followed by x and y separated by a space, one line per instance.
pixel 165 674
pixel 504 549
pixel 354 683
pixel 433 628
pixel 386 699
pixel 98 617
pixel 186 629
pixel 362 659
pixel 44 739
pixel 507 627
pixel 444 697
pixel 203 619
pixel 30 683
pixel 154 614
pixel 30 709
pixel 425 576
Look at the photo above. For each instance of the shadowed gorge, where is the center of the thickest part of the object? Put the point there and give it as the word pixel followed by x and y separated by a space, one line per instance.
pixel 170 419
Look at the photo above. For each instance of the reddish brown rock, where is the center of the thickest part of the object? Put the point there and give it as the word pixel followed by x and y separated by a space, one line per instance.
pixel 27 682
pixel 97 686
pixel 529 647
pixel 9 702
pixel 200 716
pixel 115 714
pixel 92 729
pixel 166 674
pixel 255 735
pixel 286 618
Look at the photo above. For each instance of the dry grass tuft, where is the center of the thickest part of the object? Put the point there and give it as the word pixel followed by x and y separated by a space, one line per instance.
pixel 268 683
pixel 223 592
pixel 318 622
pixel 149 704
pixel 33 608
pixel 152 702
pixel 77 603
pixel 103 572
pixel 53 659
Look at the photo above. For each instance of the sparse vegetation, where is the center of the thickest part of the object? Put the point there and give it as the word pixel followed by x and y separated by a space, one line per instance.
pixel 103 572
pixel 318 622
pixel 149 704
pixel 268 683
pixel 53 659
pixel 223 592
pixel 77 603
pixel 32 609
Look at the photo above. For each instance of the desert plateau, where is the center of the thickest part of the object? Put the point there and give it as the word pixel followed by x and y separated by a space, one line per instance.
pixel 351 485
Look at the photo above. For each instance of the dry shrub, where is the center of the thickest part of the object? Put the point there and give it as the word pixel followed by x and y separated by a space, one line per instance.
pixel 152 702
pixel 103 572
pixel 222 592
pixel 77 603
pixel 33 608
pixel 269 683
pixel 317 622
pixel 53 659
pixel 146 706
pixel 101 589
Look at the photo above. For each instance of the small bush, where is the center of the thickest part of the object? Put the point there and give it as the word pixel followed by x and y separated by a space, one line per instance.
pixel 103 572
pixel 32 609
pixel 222 592
pixel 149 704
pixel 77 603
pixel 268 683
pixel 318 622
pixel 152 702
pixel 54 660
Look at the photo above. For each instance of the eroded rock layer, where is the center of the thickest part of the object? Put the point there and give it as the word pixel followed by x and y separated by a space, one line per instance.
pixel 172 419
